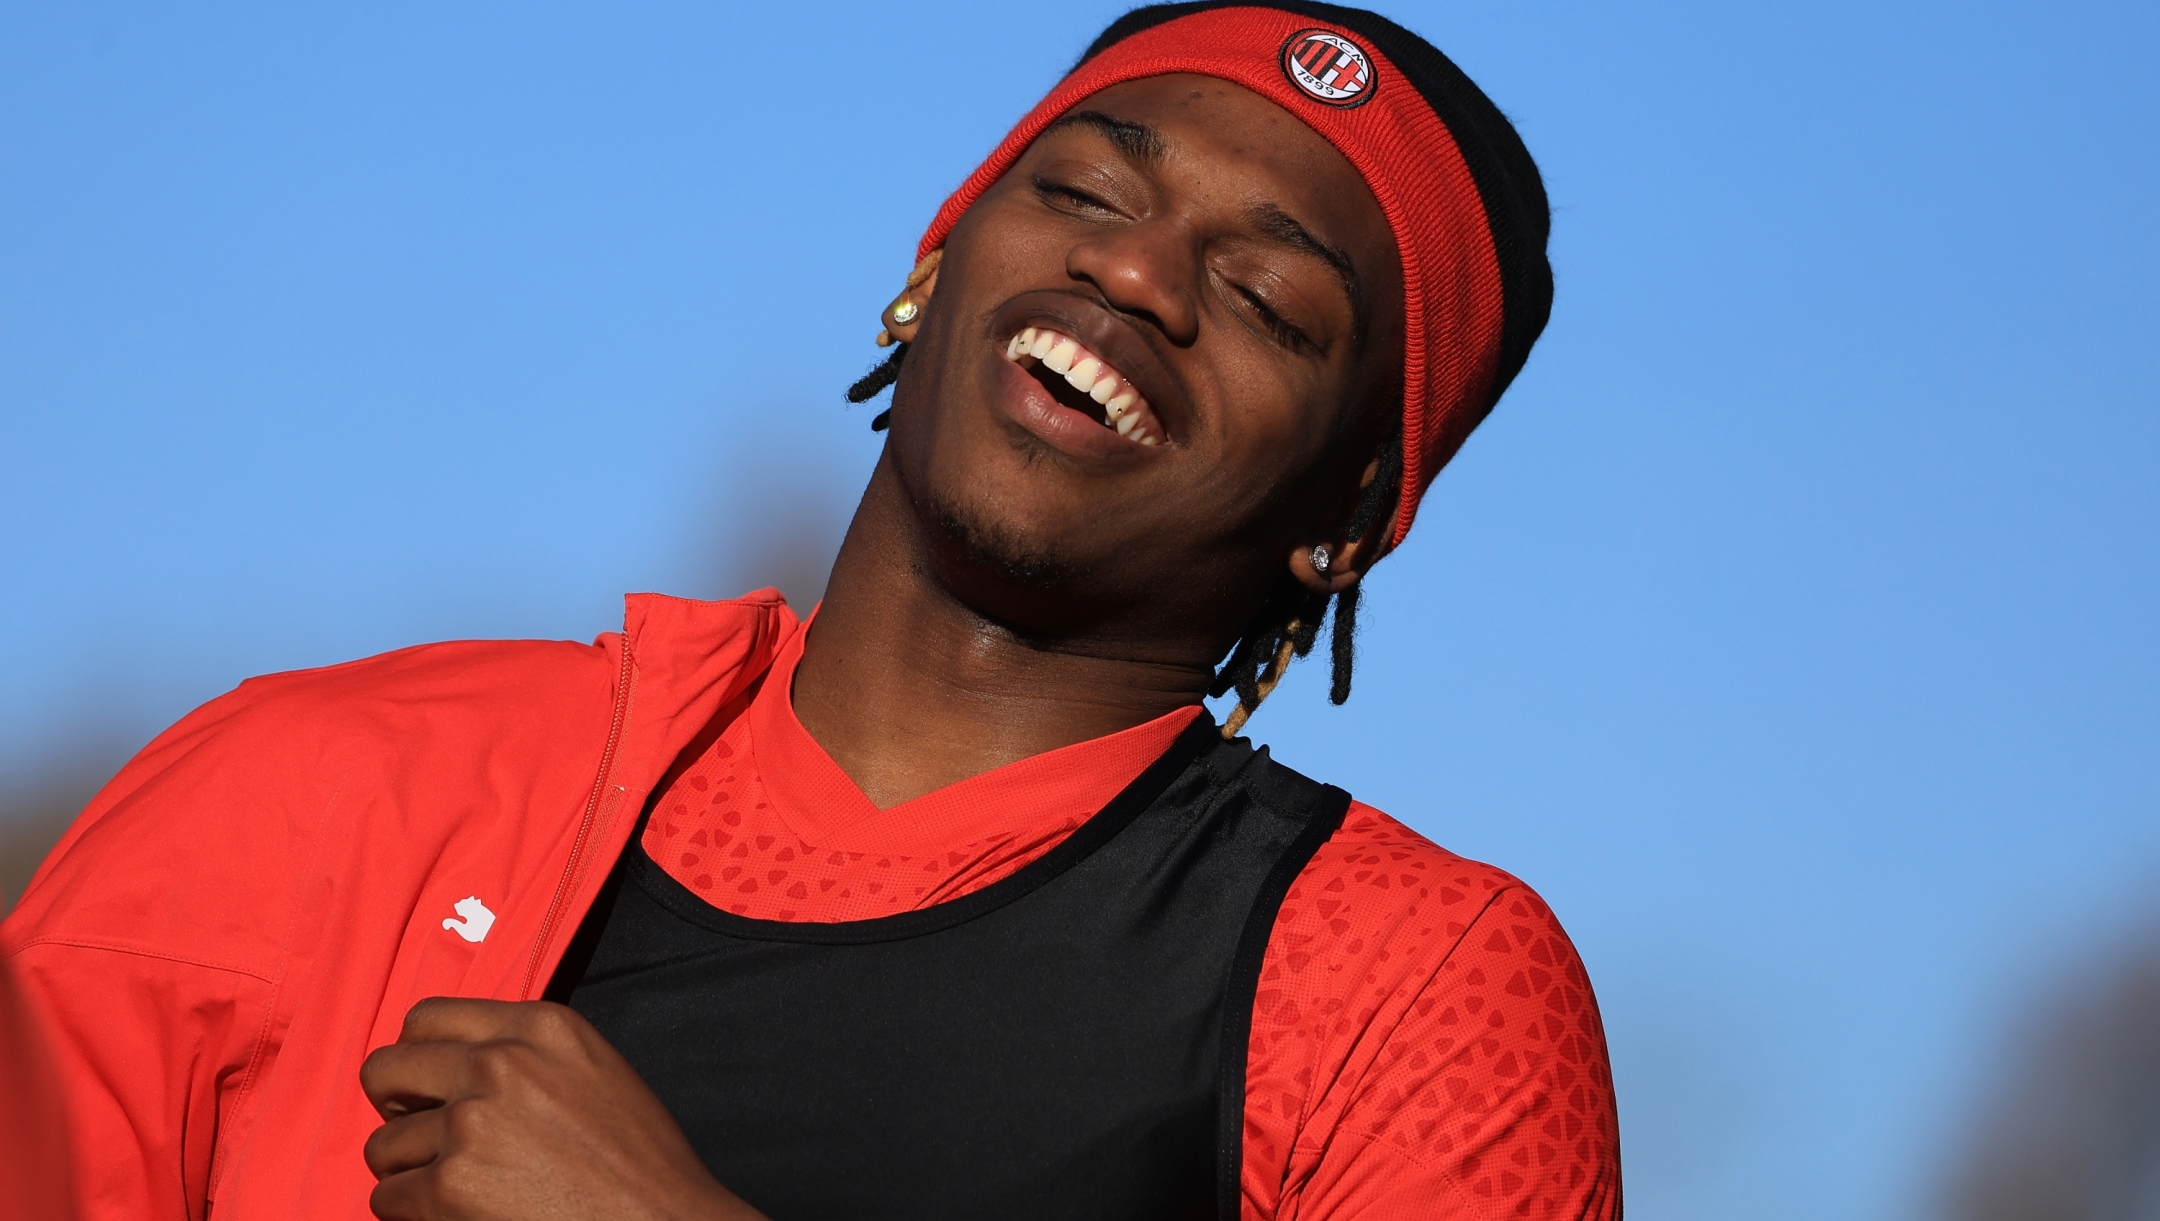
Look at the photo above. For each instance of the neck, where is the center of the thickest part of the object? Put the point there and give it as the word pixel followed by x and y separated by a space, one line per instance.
pixel 909 689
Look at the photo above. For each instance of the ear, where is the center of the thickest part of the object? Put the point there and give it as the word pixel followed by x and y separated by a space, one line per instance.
pixel 921 283
pixel 1349 559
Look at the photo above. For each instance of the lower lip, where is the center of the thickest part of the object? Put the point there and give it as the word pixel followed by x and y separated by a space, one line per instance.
pixel 1063 429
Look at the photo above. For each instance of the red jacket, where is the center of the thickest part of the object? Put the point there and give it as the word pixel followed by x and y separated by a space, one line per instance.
pixel 35 1171
pixel 258 898
pixel 277 868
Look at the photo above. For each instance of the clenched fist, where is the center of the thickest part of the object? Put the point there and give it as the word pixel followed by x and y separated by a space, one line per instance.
pixel 505 1111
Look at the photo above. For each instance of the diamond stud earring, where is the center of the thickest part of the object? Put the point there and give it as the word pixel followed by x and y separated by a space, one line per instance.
pixel 1321 559
pixel 905 312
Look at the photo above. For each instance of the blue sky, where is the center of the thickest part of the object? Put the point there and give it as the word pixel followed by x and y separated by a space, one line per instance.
pixel 1790 625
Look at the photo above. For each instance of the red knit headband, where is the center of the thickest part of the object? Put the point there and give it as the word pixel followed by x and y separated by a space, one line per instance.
pixel 1451 276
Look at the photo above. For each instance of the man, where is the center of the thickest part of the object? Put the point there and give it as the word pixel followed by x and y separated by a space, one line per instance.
pixel 952 902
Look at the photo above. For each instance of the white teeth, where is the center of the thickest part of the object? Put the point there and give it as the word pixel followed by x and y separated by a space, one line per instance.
pixel 1083 375
pixel 1123 408
pixel 1060 358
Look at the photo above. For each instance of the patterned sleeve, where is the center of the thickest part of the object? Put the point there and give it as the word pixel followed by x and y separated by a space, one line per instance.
pixel 1425 1044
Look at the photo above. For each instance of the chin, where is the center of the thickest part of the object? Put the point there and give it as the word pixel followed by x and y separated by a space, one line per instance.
pixel 993 546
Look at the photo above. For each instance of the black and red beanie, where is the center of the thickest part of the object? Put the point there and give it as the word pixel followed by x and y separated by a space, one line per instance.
pixel 1457 186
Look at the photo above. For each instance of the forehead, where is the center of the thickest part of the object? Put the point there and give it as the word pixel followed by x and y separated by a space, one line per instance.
pixel 1222 136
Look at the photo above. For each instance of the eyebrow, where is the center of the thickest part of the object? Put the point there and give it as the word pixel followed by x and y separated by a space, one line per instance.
pixel 1136 140
pixel 1284 228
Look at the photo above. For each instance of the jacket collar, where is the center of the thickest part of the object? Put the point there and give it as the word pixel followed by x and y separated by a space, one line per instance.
pixel 688 660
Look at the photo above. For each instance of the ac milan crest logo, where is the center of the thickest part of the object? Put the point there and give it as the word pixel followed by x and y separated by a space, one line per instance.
pixel 1328 67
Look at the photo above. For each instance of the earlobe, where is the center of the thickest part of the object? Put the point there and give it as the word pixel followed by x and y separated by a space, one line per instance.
pixel 1334 565
pixel 903 318
pixel 1327 568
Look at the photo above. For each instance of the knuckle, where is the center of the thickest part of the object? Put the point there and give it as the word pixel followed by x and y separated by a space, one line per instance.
pixel 502 1063
pixel 552 1023
pixel 426 1013
pixel 426 1007
pixel 392 1199
pixel 373 1067
pixel 458 1181
pixel 373 1152
pixel 466 1124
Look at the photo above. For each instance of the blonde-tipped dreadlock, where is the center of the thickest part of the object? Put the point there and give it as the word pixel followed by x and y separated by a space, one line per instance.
pixel 924 268
pixel 888 371
pixel 1261 684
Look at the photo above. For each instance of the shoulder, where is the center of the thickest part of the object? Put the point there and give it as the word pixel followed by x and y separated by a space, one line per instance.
pixel 1449 942
pixel 425 699
pixel 1432 1008
pixel 485 678
pixel 1376 880
pixel 222 813
pixel 280 737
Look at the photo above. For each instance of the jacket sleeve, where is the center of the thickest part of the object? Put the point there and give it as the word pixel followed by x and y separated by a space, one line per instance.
pixel 36 1172
pixel 147 1051
pixel 149 943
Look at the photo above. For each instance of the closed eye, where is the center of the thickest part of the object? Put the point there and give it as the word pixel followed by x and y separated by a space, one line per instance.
pixel 1284 331
pixel 1071 199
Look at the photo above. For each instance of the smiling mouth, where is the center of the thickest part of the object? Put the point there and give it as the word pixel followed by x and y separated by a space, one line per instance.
pixel 1086 383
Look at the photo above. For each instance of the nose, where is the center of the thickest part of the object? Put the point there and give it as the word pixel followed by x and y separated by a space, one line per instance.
pixel 1148 269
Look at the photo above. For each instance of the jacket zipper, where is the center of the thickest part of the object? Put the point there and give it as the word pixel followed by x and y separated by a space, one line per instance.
pixel 564 887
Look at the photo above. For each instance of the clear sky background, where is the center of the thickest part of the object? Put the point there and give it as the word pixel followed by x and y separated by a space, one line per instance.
pixel 1791 625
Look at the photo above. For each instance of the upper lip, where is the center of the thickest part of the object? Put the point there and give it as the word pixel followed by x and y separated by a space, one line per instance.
pixel 1107 334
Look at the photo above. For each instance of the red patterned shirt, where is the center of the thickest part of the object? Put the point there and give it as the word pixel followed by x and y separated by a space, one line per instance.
pixel 1424 1040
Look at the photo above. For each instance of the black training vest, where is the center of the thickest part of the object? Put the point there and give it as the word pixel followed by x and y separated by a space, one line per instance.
pixel 1068 1042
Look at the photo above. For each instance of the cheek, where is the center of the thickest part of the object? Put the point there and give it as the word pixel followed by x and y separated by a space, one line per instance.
pixel 1268 454
pixel 1271 414
pixel 1004 240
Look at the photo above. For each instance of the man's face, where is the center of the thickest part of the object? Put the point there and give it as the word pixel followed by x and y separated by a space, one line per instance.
pixel 1227 283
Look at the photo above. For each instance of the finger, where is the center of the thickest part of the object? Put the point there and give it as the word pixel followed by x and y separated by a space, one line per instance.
pixel 407 1143
pixel 409 1196
pixel 460 1019
pixel 557 1028
pixel 407 1077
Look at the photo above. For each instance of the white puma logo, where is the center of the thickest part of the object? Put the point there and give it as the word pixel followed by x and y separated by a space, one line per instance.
pixel 478 919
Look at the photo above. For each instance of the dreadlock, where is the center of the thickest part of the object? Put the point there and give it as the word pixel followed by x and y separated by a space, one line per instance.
pixel 870 384
pixel 888 370
pixel 1288 623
